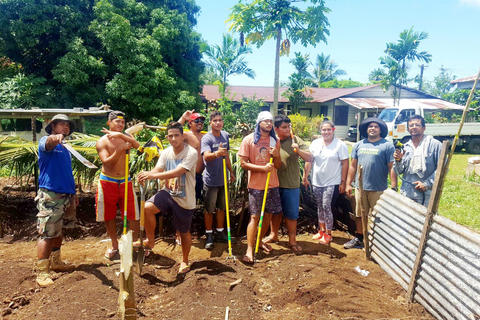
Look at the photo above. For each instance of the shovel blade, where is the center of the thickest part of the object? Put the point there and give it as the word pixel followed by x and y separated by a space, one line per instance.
pixel 125 247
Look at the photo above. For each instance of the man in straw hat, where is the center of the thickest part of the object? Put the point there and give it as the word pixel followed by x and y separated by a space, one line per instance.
pixel 375 155
pixel 111 149
pixel 55 198
pixel 255 152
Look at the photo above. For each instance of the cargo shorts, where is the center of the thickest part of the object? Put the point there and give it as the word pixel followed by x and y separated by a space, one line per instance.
pixel 53 209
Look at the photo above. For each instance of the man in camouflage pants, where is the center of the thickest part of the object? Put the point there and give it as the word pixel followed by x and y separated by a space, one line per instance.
pixel 56 197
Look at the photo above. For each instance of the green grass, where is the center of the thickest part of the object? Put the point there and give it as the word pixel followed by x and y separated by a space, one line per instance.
pixel 460 198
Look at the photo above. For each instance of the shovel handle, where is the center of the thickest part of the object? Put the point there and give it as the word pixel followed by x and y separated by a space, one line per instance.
pixel 142 208
pixel 125 203
pixel 263 210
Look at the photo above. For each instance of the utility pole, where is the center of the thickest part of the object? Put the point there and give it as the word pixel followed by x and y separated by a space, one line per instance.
pixel 420 81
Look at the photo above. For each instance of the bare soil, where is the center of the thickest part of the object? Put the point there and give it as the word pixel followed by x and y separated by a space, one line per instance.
pixel 321 283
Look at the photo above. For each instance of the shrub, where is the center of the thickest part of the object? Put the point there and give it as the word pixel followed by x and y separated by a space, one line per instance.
pixel 305 127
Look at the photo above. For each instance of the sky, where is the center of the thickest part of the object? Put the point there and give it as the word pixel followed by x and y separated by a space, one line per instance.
pixel 359 31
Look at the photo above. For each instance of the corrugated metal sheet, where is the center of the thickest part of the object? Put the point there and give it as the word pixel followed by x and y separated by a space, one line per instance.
pixel 448 282
pixel 380 103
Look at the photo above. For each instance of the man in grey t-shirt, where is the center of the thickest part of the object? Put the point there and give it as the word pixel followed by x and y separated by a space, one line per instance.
pixel 375 155
pixel 214 147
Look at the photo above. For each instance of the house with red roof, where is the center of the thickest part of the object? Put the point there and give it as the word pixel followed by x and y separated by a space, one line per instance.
pixel 344 106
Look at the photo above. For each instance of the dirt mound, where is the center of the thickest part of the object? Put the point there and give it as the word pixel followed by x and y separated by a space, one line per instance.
pixel 321 283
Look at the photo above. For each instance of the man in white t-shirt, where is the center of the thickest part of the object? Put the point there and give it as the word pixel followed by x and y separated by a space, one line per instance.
pixel 176 166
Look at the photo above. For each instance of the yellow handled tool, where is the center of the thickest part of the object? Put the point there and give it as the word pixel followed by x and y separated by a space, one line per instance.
pixel 125 203
pixel 263 210
pixel 229 236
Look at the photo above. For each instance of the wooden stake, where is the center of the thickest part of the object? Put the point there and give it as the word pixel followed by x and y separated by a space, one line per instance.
pixel 126 300
pixel 366 243
pixel 432 209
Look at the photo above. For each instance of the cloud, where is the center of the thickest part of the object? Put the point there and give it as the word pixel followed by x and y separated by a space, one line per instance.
pixel 471 2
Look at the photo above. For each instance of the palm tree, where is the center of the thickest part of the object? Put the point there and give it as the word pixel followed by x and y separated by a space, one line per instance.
pixel 406 49
pixel 261 20
pixel 326 69
pixel 228 59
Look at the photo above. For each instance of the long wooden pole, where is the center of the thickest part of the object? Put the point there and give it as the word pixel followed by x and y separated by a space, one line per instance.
pixel 432 209
pixel 366 243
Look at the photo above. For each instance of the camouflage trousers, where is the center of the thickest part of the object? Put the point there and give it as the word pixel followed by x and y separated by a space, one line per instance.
pixel 55 210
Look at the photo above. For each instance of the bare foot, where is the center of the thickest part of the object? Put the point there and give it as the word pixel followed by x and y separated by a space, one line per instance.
pixel 270 239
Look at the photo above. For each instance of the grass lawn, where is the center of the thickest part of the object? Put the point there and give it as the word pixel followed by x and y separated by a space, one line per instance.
pixel 460 199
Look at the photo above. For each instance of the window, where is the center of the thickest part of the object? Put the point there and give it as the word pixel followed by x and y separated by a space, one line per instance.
pixel 341 115
pixel 404 115
pixel 324 111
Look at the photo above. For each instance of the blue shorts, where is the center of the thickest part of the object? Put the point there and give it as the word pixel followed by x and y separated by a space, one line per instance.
pixel 290 202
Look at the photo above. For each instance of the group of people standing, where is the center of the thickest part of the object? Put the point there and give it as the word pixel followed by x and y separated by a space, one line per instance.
pixel 192 166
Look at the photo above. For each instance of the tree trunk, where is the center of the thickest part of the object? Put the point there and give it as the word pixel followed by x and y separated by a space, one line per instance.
pixel 276 81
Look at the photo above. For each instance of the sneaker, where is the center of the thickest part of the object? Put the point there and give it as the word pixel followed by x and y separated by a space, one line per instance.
pixel 354 243
pixel 220 236
pixel 326 239
pixel 209 241
pixel 318 236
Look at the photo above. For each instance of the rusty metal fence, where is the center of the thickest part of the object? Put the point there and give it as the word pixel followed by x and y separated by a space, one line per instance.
pixel 448 280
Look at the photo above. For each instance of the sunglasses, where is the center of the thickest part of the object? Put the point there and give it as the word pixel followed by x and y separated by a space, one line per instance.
pixel 199 121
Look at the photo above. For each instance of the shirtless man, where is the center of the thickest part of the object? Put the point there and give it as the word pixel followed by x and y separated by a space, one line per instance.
pixel 110 197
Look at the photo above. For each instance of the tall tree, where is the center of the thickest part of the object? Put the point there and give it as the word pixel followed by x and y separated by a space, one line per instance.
pixel 282 20
pixel 228 59
pixel 406 49
pixel 326 69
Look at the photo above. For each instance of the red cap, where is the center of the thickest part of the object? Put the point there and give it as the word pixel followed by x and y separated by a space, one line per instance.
pixel 196 116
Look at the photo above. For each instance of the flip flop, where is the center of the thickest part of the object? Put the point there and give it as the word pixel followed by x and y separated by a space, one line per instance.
pixel 184 269
pixel 296 248
pixel 247 260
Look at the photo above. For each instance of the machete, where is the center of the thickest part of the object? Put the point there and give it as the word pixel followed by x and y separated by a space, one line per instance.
pixel 77 155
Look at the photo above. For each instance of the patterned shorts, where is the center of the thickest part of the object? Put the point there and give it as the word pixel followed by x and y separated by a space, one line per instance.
pixel 273 203
pixel 53 208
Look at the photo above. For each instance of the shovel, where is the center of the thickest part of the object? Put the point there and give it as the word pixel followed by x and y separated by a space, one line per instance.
pixel 141 249
pixel 227 214
pixel 126 297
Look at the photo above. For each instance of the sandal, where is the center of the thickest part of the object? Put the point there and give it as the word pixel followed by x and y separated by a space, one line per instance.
pixel 184 269
pixel 247 260
pixel 112 254
pixel 297 249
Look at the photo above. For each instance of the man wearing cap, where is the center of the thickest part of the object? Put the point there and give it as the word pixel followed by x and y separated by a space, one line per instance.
pixel 255 152
pixel 195 123
pixel 375 155
pixel 55 198
pixel 418 162
pixel 110 197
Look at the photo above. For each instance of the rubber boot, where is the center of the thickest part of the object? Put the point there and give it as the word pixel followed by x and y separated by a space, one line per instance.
pixel 56 263
pixel 43 273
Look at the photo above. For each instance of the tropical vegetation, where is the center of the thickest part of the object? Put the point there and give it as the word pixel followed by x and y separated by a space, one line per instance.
pixel 140 57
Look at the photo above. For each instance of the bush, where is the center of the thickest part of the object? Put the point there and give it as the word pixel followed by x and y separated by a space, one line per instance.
pixel 305 127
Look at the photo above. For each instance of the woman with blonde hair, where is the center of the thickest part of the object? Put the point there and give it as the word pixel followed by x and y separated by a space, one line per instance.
pixel 330 167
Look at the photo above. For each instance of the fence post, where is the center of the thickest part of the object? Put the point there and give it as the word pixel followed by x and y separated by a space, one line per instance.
pixel 431 211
